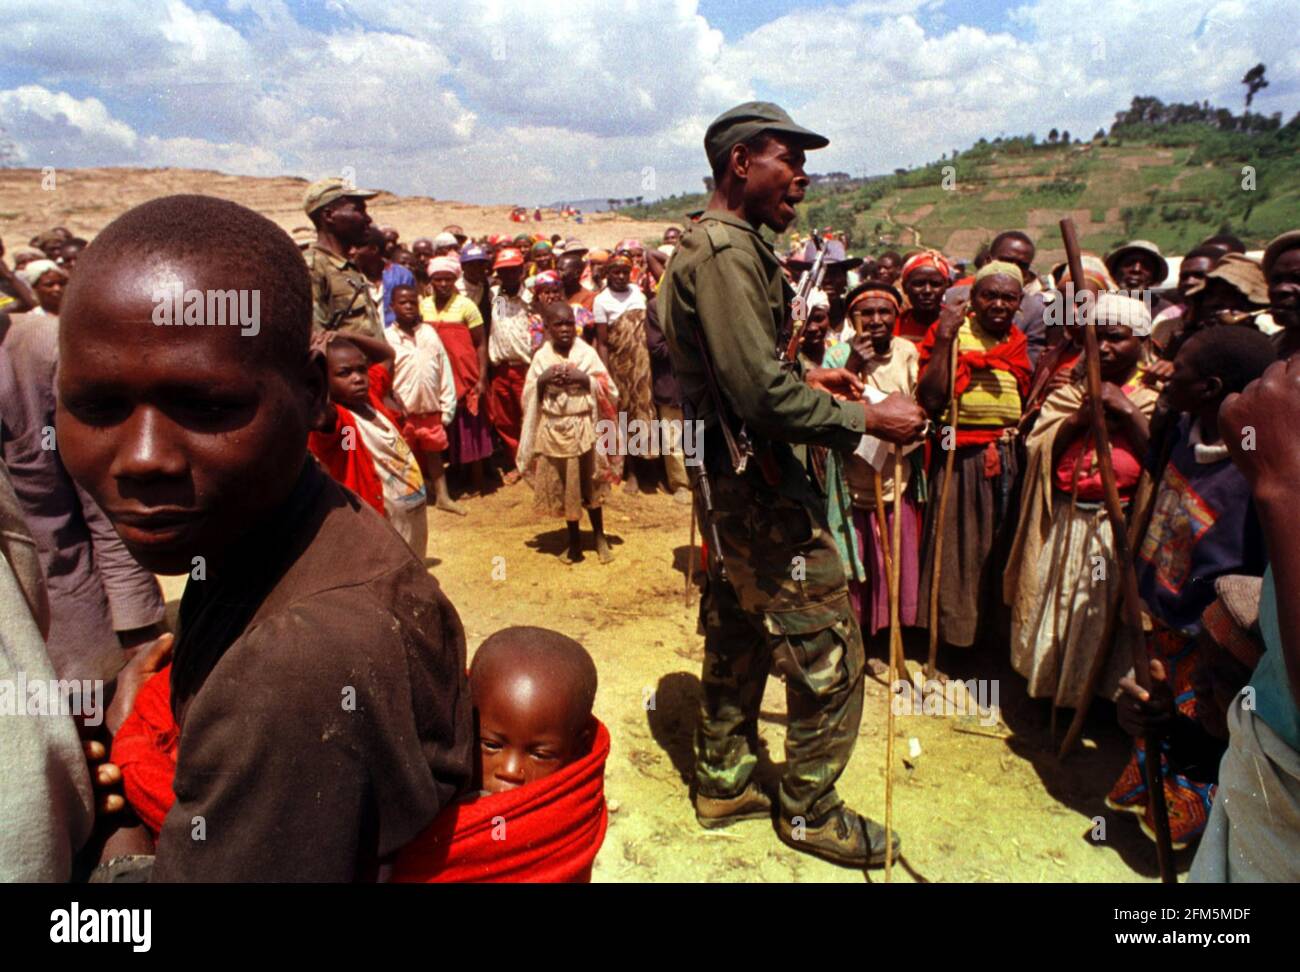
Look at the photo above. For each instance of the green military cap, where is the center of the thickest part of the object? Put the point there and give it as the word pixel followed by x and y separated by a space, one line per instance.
pixel 751 118
pixel 42 240
pixel 324 191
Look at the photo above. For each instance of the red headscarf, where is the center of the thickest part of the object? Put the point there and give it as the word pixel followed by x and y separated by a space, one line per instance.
pixel 926 258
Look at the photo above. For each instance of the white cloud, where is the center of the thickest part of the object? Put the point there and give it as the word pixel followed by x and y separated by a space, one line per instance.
pixel 495 100
pixel 44 122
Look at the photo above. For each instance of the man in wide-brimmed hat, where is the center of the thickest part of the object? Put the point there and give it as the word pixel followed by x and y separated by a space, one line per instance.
pixel 835 282
pixel 1138 265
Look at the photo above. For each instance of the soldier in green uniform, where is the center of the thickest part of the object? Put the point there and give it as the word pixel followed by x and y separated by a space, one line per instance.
pixel 783 602
pixel 340 291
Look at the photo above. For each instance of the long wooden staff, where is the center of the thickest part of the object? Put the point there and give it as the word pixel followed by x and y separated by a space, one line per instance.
pixel 1119 528
pixel 895 655
pixel 936 569
pixel 889 552
pixel 1140 518
pixel 857 365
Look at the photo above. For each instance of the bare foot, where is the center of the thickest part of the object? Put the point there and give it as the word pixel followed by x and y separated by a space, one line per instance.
pixel 603 553
pixel 571 557
pixel 511 477
pixel 451 506
pixel 935 675
pixel 682 496
pixel 631 485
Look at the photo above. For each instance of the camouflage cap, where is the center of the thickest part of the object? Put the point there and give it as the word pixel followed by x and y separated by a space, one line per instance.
pixel 325 191
pixel 747 120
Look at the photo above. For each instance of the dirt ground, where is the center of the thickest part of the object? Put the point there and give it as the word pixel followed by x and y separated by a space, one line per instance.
pixel 86 200
pixel 969 807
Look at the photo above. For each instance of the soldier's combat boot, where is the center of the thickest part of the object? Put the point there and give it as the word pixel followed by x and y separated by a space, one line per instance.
pixel 750 804
pixel 842 837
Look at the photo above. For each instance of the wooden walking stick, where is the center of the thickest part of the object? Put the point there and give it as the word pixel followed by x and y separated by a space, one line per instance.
pixel 889 552
pixel 1139 519
pixel 936 569
pixel 882 520
pixel 1130 600
pixel 856 365
pixel 895 654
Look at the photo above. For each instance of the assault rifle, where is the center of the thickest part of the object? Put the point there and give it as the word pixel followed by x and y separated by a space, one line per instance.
pixel 704 497
pixel 337 317
pixel 808 283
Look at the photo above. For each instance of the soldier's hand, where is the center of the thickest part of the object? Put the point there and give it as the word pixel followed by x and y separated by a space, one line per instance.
pixel 896 419
pixel 839 382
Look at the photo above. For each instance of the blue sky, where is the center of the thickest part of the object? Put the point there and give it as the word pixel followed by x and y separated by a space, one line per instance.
pixel 540 100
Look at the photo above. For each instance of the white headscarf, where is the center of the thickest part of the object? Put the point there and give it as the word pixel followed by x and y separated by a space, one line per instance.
pixel 1126 311
pixel 39 268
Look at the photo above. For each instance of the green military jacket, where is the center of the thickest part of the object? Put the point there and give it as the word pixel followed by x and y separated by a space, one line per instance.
pixel 332 281
pixel 725 277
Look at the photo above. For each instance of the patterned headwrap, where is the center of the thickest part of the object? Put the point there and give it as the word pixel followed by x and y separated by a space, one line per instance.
pixel 618 260
pixel 1094 272
pixel 540 247
pixel 547 278
pixel 630 245
pixel 874 288
pixel 926 258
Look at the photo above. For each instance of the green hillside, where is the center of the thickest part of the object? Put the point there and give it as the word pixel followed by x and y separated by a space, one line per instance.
pixel 1172 174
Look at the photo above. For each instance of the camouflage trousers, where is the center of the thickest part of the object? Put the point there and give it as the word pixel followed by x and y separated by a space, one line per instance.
pixel 784 605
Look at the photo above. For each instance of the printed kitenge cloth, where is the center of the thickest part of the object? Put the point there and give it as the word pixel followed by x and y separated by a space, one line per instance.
pixel 1203 525
pixel 1188 800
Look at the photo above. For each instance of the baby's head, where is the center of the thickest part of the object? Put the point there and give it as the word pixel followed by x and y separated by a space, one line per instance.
pixel 533 689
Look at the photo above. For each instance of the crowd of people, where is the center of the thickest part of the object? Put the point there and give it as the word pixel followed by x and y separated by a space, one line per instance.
pixel 467 324
pixel 451 366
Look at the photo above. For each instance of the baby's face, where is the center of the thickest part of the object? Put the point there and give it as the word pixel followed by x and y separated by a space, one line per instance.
pixel 525 730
